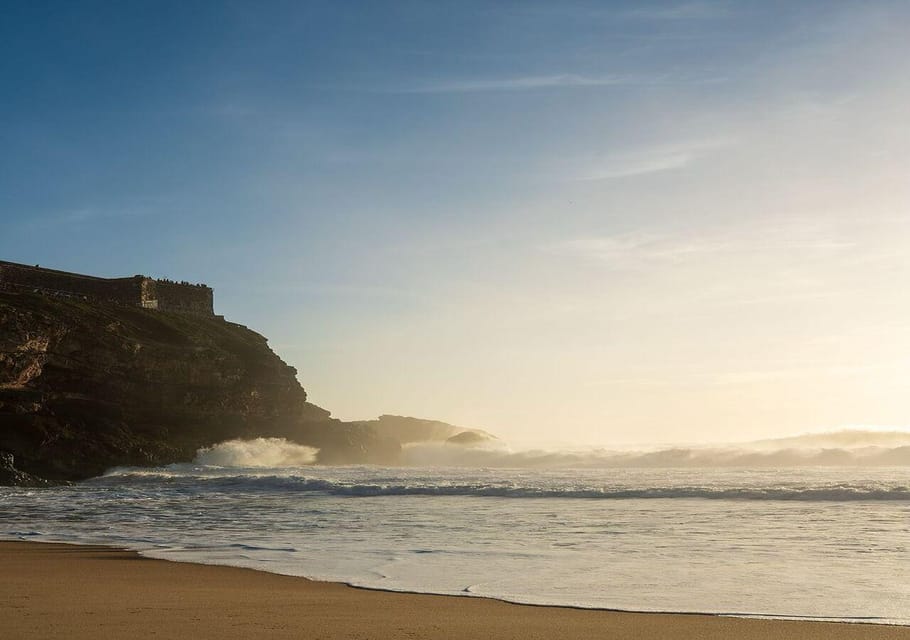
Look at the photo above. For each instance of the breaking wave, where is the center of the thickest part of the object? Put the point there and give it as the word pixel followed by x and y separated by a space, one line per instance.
pixel 275 453
pixel 210 480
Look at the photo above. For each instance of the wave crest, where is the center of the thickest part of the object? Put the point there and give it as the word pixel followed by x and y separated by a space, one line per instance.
pixel 212 480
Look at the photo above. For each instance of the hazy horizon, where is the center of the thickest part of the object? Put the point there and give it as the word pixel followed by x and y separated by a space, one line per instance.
pixel 602 222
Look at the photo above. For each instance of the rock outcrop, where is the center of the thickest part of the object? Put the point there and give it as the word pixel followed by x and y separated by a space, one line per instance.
pixel 409 430
pixel 10 475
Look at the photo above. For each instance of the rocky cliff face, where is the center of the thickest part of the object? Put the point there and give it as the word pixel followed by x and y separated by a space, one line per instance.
pixel 84 388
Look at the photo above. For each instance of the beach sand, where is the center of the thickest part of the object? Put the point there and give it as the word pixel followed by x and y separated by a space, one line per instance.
pixel 82 592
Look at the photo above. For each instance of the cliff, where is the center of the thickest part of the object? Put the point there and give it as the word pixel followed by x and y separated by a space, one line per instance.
pixel 86 387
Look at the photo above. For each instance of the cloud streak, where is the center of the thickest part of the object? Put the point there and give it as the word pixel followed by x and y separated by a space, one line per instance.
pixel 683 11
pixel 639 164
pixel 532 83
pixel 636 250
pixel 336 290
pixel 82 216
pixel 646 160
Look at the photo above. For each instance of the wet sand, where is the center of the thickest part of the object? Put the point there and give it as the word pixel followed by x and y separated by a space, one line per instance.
pixel 89 592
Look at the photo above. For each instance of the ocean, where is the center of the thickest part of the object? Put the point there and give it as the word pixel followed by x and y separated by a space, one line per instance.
pixel 815 543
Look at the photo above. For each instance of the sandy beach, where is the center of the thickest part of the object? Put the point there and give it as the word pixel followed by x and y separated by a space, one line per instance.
pixel 66 591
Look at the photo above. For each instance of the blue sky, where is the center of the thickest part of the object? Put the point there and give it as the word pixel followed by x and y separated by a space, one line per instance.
pixel 636 220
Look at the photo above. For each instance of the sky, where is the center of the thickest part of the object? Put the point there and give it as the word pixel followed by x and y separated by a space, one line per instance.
pixel 579 222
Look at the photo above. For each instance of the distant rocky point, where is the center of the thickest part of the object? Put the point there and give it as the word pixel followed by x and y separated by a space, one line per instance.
pixel 413 430
pixel 88 383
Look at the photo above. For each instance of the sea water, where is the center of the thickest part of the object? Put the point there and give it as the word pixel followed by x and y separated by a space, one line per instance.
pixel 830 543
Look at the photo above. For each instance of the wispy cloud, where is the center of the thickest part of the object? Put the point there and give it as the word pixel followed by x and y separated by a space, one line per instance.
pixel 87 214
pixel 91 213
pixel 638 250
pixel 531 83
pixel 333 290
pixel 681 11
pixel 674 376
pixel 638 164
pixel 644 161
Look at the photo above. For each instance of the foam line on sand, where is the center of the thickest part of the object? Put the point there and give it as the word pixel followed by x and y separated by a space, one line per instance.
pixel 81 592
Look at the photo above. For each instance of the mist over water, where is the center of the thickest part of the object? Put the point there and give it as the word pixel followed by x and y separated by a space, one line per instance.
pixel 445 455
pixel 849 448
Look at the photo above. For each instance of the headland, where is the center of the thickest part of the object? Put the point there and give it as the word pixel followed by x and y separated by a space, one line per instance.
pixel 103 372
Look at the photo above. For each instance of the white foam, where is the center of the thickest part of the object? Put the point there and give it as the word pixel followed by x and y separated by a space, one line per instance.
pixel 261 452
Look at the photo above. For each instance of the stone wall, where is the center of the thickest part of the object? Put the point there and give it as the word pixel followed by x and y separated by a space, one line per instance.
pixel 140 291
pixel 17 277
pixel 184 297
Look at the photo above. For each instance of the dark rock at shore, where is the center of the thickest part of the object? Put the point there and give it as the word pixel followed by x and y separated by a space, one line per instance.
pixel 10 475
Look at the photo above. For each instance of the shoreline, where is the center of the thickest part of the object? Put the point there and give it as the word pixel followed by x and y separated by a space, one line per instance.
pixel 870 620
pixel 92 591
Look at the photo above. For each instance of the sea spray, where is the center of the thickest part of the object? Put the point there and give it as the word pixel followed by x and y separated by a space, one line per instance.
pixel 260 452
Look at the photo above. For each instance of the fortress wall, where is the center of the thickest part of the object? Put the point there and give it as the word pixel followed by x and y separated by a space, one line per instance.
pixel 185 298
pixel 25 278
pixel 140 291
